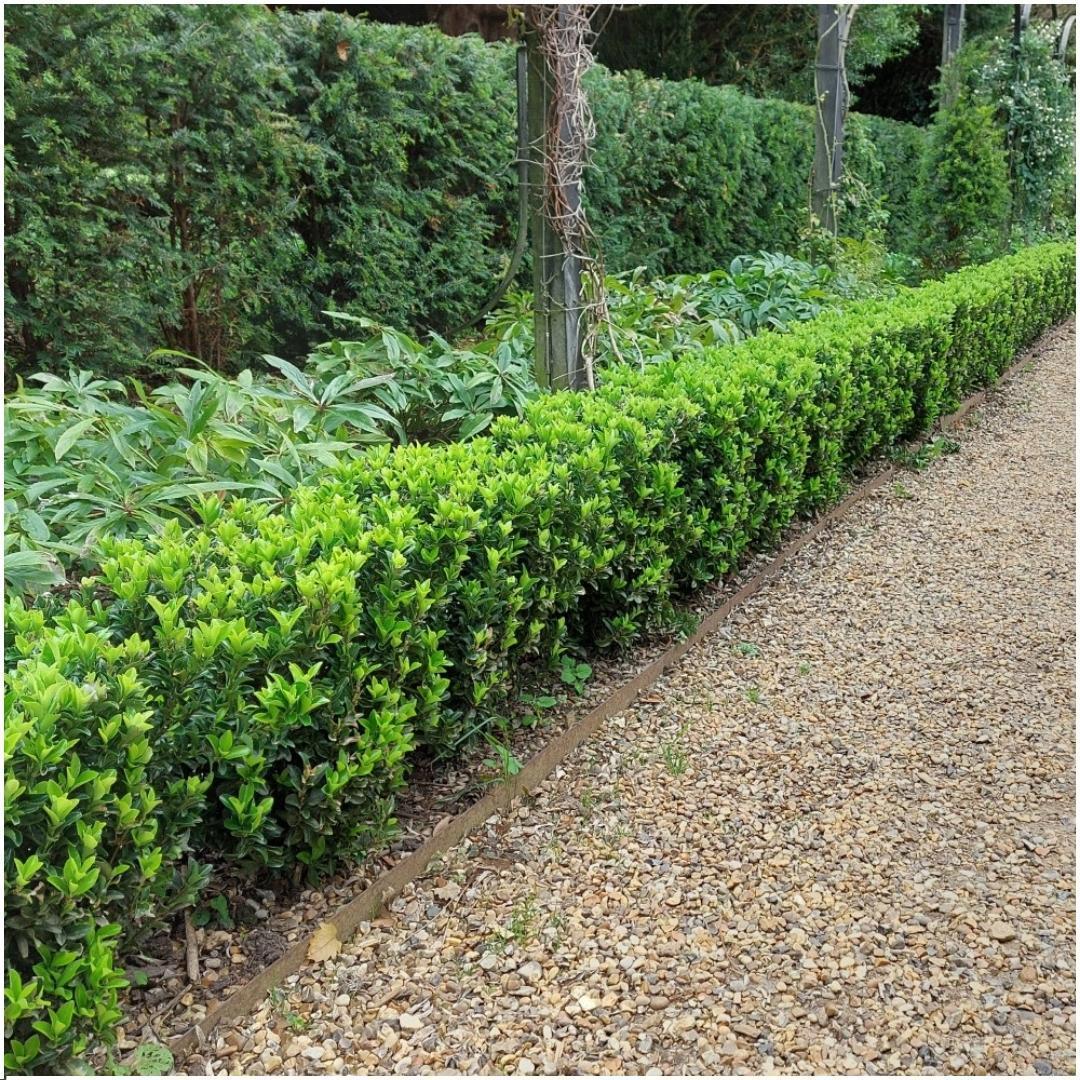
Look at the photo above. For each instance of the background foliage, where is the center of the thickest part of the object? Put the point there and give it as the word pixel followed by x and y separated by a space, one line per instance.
pixel 766 49
pixel 1032 96
pixel 963 189
pixel 214 180
pixel 151 179
pixel 905 86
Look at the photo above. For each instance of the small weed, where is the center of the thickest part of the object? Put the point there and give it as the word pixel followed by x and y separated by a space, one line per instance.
pixel 575 673
pixel 927 454
pixel 522 928
pixel 675 757
pixel 746 648
pixel 217 908
pixel 523 920
pixel 538 703
pixel 754 695
pixel 901 492
pixel 804 668
pixel 615 835
pixel 557 923
pixel 149 1059
pixel 684 623
pixel 279 1002
pixel 503 762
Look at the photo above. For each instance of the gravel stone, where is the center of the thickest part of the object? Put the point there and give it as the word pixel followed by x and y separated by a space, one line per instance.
pixel 872 852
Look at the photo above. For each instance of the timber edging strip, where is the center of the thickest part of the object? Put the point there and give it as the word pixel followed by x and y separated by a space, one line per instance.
pixel 366 906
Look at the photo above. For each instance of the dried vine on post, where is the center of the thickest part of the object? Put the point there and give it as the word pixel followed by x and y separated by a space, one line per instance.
pixel 568 274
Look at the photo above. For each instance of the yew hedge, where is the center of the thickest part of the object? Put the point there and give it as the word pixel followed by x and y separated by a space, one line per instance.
pixel 214 177
pixel 252 690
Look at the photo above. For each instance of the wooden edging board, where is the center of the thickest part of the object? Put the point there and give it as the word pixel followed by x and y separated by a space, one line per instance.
pixel 368 904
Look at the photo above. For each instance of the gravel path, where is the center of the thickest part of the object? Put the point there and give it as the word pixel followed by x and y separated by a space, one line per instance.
pixel 836 838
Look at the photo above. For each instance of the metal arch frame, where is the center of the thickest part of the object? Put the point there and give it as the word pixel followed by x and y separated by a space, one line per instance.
pixel 832 99
pixel 1063 41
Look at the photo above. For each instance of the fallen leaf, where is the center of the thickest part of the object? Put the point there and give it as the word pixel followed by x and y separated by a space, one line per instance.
pixel 325 943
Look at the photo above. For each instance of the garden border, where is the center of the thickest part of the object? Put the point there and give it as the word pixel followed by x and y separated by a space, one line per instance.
pixel 339 926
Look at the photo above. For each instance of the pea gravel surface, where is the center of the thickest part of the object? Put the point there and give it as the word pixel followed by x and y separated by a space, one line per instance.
pixel 837 837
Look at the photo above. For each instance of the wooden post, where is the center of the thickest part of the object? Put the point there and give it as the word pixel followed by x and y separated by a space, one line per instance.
pixel 951 40
pixel 556 273
pixel 1062 52
pixel 954 33
pixel 831 102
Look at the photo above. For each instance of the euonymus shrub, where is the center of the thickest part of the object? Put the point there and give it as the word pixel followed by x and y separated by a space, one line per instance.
pixel 250 691
pixel 89 458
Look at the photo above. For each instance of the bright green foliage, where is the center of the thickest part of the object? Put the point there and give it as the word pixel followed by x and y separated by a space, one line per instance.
pixel 95 822
pixel 216 180
pixel 963 190
pixel 89 458
pixel 291 664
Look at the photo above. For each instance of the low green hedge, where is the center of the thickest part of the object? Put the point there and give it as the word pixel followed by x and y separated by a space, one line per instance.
pixel 252 690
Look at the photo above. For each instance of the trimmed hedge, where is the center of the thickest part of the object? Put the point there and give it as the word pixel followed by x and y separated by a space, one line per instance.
pixel 220 176
pixel 253 689
pixel 685 176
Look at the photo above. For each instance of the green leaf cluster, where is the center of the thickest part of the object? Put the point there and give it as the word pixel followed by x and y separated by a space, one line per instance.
pixel 963 192
pixel 89 457
pixel 1032 96
pixel 96 825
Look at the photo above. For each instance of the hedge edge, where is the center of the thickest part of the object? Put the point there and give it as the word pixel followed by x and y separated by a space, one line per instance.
pixel 366 906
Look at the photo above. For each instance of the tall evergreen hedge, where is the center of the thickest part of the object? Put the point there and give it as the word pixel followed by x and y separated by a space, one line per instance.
pixel 213 178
